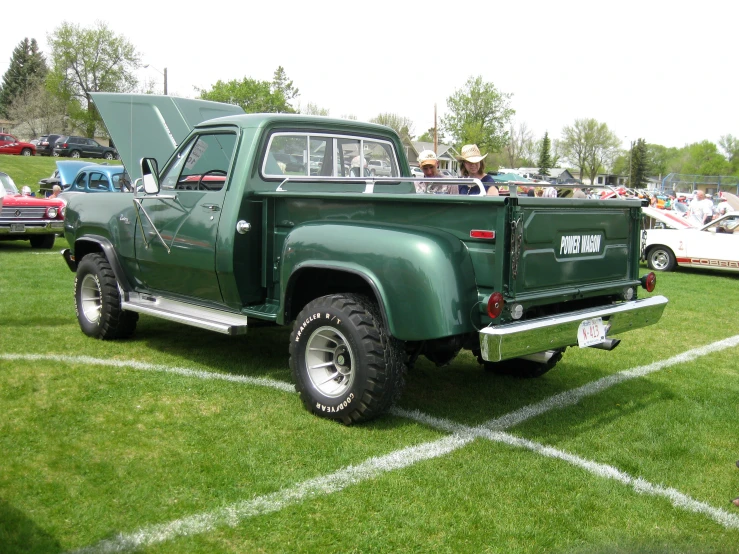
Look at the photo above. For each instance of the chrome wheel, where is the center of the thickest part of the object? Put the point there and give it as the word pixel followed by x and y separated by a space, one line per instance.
pixel 329 362
pixel 661 259
pixel 91 298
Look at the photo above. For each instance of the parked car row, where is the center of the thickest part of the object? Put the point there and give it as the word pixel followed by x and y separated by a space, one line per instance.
pixel 57 145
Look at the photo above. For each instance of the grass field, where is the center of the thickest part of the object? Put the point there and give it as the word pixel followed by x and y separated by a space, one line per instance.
pixel 184 441
pixel 27 170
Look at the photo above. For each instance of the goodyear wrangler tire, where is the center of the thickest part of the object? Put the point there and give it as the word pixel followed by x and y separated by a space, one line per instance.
pixel 345 365
pixel 98 301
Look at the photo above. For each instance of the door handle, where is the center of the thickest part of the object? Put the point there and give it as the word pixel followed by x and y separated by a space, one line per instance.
pixel 212 207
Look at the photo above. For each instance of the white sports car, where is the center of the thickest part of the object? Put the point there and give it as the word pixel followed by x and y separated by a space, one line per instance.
pixel 714 246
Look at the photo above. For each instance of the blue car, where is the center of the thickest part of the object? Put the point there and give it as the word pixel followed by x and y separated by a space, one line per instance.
pixel 92 177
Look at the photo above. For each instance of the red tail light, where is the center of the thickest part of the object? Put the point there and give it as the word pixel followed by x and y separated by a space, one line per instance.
pixel 480 234
pixel 495 305
pixel 649 281
pixel 63 145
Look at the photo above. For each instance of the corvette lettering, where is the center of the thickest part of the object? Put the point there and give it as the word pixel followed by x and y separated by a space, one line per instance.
pixel 579 244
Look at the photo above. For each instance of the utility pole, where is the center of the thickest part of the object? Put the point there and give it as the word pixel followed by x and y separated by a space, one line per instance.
pixel 165 81
pixel 631 153
pixel 436 135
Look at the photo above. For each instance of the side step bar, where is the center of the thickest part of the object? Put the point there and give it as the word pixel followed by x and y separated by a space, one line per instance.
pixel 228 323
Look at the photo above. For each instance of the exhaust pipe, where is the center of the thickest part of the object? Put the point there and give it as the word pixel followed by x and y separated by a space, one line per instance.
pixel 608 344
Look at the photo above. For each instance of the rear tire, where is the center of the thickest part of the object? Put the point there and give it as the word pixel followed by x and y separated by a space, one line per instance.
pixel 661 258
pixel 98 301
pixel 43 241
pixel 525 369
pixel 345 365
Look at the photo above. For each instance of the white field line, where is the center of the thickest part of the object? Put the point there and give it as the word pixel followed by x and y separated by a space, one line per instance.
pixel 461 435
pixel 233 514
pixel 573 396
pixel 678 499
pixel 143 366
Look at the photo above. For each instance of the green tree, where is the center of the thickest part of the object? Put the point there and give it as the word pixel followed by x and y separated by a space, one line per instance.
pixel 545 158
pixel 590 146
pixel 255 96
pixel 702 158
pixel 479 114
pixel 281 84
pixel 86 60
pixel 27 70
pixel 638 164
pixel 251 95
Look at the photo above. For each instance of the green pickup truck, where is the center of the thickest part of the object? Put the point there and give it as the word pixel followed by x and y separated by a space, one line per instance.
pixel 260 216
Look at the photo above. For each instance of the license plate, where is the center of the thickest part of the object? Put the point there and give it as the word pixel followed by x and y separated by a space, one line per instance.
pixel 17 228
pixel 590 332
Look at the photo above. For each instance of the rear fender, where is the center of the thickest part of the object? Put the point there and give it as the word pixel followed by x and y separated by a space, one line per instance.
pixel 423 280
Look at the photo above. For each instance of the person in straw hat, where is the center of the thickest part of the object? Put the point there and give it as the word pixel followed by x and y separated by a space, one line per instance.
pixel 429 165
pixel 473 165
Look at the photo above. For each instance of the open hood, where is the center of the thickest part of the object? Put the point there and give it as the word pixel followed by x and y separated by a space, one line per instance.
pixel 151 126
pixel 674 220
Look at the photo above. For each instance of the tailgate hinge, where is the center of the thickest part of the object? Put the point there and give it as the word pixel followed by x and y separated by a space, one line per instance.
pixel 516 240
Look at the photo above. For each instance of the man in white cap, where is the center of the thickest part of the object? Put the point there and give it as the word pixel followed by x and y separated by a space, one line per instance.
pixel 429 165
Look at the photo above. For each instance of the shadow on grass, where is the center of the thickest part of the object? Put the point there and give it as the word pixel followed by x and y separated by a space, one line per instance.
pixel 19 534
pixel 462 391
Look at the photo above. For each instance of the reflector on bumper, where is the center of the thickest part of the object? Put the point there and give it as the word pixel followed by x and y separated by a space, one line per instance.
pixel 521 338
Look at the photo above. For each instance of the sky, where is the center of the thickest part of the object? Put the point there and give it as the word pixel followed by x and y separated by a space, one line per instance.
pixel 662 71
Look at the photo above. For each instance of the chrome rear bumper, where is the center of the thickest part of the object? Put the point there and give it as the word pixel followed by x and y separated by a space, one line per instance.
pixel 522 338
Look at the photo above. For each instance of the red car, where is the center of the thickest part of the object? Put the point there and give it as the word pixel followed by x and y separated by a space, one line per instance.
pixel 11 145
pixel 38 220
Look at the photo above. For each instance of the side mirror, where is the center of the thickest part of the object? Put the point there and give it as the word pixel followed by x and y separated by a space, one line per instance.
pixel 150 174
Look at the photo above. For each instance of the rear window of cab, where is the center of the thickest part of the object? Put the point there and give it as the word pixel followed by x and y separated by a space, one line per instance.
pixel 325 155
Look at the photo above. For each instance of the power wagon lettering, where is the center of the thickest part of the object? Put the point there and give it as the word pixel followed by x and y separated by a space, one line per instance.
pixel 579 244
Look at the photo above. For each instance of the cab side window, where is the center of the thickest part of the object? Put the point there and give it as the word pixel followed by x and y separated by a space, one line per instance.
pixel 202 164
pixel 323 155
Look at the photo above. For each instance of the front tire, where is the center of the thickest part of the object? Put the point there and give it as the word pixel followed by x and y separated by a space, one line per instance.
pixel 661 258
pixel 26 152
pixel 108 155
pixel 98 301
pixel 43 241
pixel 345 365
pixel 74 154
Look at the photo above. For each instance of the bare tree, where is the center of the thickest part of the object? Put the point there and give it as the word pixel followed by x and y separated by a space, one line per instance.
pixel 520 143
pixel 39 111
pixel 730 145
pixel 313 109
pixel 402 125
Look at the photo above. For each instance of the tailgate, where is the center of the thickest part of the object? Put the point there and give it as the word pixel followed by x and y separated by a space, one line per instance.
pixel 567 246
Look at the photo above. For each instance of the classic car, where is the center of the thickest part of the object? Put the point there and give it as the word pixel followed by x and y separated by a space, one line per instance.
pixel 38 220
pixel 11 145
pixel 64 174
pixel 714 245
pixel 96 178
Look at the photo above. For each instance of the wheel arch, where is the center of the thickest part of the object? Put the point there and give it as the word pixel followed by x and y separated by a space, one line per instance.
pixel 98 244
pixel 423 280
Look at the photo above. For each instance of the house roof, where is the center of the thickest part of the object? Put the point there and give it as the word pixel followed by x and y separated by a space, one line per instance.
pixel 552 172
pixel 442 150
